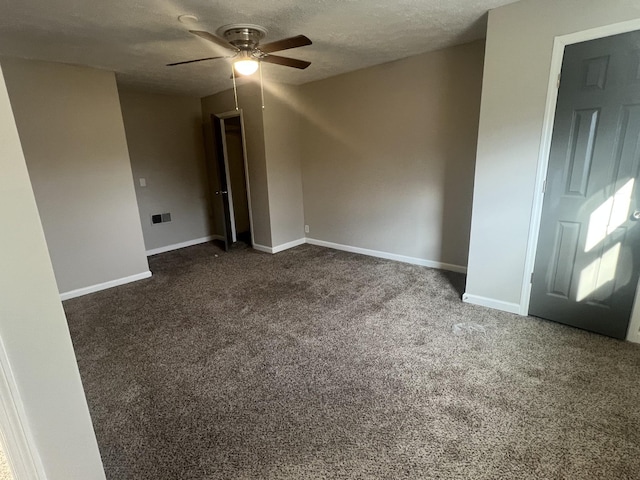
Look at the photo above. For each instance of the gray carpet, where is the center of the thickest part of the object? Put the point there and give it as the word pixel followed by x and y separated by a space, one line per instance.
pixel 319 364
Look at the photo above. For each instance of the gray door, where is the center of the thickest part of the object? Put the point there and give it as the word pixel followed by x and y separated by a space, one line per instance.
pixel 222 193
pixel 587 265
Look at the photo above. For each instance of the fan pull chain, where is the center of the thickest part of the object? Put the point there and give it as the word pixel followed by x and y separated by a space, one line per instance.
pixel 261 84
pixel 235 91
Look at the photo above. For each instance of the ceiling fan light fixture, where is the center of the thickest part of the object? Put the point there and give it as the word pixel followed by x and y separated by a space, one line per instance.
pixel 246 67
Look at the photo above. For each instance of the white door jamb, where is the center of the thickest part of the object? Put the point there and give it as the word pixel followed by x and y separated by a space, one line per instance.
pixel 222 117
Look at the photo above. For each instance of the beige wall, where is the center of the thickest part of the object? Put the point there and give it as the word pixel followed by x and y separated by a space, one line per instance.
pixel 273 153
pixel 282 130
pixel 72 135
pixel 516 76
pixel 250 102
pixel 164 135
pixel 33 327
pixel 388 155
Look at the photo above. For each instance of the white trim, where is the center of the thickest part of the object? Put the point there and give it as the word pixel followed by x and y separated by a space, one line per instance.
pixel 227 174
pixel 541 174
pixel 491 303
pixel 222 117
pixel 288 245
pixel 103 286
pixel 389 256
pixel 262 248
pixel 362 251
pixel 633 335
pixel 21 452
pixel 279 248
pixel 633 332
pixel 188 243
pixel 559 43
pixel 246 176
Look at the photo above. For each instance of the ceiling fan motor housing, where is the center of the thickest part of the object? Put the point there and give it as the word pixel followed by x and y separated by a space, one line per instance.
pixel 243 36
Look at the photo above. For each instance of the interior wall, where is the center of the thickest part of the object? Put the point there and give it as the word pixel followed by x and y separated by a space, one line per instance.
pixel 250 102
pixel 282 136
pixel 388 155
pixel 72 135
pixel 516 76
pixel 166 147
pixel 33 328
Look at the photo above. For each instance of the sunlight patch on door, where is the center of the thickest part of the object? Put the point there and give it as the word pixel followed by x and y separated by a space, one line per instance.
pixel 598 220
pixel 598 273
pixel 621 205
pixel 612 213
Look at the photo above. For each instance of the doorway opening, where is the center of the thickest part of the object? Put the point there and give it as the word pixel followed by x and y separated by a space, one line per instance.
pixel 233 192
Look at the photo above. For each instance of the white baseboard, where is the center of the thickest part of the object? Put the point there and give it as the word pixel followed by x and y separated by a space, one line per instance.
pixel 633 335
pixel 491 303
pixel 362 251
pixel 322 243
pixel 389 256
pixel 279 248
pixel 103 286
pixel 288 245
pixel 262 248
pixel 188 243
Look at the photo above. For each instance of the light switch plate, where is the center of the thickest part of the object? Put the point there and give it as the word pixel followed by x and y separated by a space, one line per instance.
pixel 143 182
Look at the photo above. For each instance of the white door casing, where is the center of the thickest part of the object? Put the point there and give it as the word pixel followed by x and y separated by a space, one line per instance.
pixel 543 159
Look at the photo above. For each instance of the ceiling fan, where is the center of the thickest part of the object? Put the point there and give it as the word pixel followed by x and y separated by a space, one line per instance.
pixel 243 41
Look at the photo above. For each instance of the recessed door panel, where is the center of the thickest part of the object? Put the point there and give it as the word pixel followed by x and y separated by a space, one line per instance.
pixel 567 237
pixel 595 72
pixel 583 136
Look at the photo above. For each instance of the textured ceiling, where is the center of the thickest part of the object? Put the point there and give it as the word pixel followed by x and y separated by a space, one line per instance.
pixel 136 38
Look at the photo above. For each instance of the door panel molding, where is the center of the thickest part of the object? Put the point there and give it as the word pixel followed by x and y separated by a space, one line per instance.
pixel 580 155
pixel 566 246
pixel 557 56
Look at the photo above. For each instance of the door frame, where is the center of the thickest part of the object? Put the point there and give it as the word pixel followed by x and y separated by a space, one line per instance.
pixel 557 56
pixel 225 116
pixel 15 437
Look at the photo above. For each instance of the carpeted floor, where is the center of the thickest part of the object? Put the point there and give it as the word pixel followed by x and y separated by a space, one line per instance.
pixel 319 364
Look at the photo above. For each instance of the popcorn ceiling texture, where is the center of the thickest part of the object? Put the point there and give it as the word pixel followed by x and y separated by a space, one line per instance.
pixel 137 39
pixel 319 364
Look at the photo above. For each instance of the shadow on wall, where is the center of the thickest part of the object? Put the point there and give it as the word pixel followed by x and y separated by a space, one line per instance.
pixel 214 208
pixel 207 186
pixel 456 280
pixel 461 99
pixel 389 153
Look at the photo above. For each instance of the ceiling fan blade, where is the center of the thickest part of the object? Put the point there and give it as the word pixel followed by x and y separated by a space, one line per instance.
pixel 285 44
pixel 215 39
pixel 192 61
pixel 286 61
